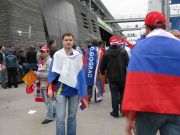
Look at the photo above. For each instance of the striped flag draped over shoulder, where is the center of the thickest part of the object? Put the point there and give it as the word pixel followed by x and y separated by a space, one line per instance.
pixel 70 69
pixel 153 78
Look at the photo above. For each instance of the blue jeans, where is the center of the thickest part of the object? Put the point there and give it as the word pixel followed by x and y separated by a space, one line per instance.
pixel 61 114
pixel 150 123
pixel 49 104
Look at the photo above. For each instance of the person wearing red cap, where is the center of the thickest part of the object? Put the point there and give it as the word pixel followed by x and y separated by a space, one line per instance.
pixel 115 61
pixel 42 74
pixel 122 42
pixel 151 99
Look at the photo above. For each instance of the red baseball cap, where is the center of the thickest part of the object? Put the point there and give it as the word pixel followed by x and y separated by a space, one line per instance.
pixel 155 18
pixel 121 41
pixel 113 40
pixel 45 48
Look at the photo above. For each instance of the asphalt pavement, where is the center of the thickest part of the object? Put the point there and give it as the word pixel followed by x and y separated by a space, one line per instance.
pixel 20 115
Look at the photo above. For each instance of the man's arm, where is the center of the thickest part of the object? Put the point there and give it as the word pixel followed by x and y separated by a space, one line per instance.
pixel 51 77
pixel 130 124
pixel 103 64
pixel 1 58
pixel 126 58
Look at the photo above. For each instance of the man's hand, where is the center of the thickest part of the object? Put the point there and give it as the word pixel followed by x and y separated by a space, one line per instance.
pixel 130 124
pixel 35 72
pixel 50 91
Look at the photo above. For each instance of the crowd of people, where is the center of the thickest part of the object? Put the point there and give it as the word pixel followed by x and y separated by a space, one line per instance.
pixel 144 78
pixel 16 62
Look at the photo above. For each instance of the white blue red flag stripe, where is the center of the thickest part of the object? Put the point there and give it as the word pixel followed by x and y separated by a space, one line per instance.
pixel 70 69
pixel 153 78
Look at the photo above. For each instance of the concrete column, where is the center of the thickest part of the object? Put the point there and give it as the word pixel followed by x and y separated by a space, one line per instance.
pixel 166 11
pixel 90 6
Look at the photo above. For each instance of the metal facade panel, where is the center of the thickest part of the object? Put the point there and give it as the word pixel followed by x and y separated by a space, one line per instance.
pixel 4 25
pixel 85 34
pixel 22 14
pixel 49 19
pixel 59 17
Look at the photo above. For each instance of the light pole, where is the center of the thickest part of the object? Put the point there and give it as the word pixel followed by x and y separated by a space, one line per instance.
pixel 90 5
pixel 20 33
pixel 22 40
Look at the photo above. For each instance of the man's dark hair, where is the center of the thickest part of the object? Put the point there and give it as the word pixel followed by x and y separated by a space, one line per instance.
pixel 74 46
pixel 52 42
pixel 0 47
pixel 159 24
pixel 67 34
pixel 102 42
pixel 89 46
pixel 95 42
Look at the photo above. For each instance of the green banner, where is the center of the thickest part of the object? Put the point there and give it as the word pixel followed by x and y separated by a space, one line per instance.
pixel 103 25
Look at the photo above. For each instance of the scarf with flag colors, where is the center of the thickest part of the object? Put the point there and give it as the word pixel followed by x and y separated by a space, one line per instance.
pixel 91 65
pixel 153 78
pixel 92 61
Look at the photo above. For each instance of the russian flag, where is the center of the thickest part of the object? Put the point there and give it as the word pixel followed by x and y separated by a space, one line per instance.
pixel 153 78
pixel 82 104
pixel 70 70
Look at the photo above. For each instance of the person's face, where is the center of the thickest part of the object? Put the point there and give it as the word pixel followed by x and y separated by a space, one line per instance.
pixel 44 54
pixel 68 42
pixel 53 45
pixel 176 34
pixel 3 49
pixel 21 48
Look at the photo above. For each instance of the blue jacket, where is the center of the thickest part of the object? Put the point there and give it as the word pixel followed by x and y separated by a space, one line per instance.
pixel 11 61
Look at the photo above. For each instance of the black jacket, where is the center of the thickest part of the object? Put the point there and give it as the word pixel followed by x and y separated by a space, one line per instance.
pixel 115 61
pixel 52 52
pixel 1 58
pixel 31 57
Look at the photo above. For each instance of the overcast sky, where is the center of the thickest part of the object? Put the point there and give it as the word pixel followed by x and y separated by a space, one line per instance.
pixel 119 8
pixel 127 8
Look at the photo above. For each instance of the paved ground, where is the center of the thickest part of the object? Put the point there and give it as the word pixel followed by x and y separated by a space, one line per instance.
pixel 15 120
